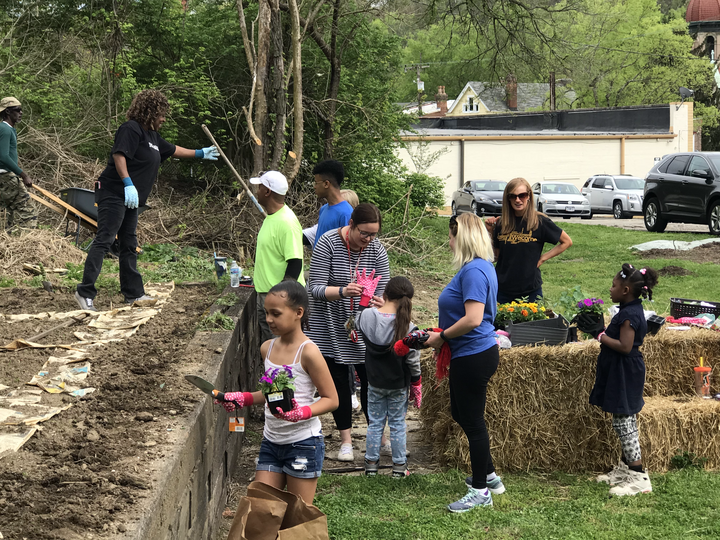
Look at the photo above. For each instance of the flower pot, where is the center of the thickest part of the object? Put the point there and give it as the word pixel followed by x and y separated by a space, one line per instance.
pixel 543 332
pixel 654 323
pixel 282 399
pixel 572 334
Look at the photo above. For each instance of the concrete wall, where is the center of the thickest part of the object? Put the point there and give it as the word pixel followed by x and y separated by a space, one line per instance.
pixel 190 488
pixel 560 157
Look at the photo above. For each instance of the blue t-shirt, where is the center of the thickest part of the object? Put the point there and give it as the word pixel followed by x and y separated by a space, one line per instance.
pixel 475 281
pixel 333 217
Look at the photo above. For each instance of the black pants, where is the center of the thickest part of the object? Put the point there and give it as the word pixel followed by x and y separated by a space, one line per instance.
pixel 469 377
pixel 341 377
pixel 114 218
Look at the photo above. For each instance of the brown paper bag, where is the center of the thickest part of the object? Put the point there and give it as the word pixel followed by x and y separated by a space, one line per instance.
pixel 256 521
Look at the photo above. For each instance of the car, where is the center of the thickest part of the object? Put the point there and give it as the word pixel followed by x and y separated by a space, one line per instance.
pixel 561 199
pixel 618 194
pixel 683 187
pixel 481 197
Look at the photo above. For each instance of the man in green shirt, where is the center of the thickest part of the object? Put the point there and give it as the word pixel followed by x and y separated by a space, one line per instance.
pixel 279 250
pixel 14 196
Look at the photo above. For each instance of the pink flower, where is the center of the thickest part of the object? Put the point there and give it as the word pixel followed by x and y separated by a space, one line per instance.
pixel 588 302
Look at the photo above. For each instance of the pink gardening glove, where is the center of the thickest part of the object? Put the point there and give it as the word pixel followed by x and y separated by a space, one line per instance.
pixel 296 414
pixel 415 396
pixel 368 284
pixel 235 400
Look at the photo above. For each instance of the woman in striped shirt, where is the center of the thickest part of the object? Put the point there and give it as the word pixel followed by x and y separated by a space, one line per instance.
pixel 334 301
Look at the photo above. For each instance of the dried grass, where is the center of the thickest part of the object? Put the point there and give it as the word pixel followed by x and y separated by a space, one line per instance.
pixel 538 414
pixel 40 246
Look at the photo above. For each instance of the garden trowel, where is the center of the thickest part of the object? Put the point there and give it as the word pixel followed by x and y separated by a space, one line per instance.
pixel 205 386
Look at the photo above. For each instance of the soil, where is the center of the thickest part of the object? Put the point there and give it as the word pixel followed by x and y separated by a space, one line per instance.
pixel 706 253
pixel 88 464
pixel 674 271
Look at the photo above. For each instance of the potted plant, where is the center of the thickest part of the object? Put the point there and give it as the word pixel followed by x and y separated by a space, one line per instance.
pixel 278 388
pixel 594 307
pixel 518 312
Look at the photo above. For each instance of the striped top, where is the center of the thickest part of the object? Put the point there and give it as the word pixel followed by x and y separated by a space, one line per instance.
pixel 330 267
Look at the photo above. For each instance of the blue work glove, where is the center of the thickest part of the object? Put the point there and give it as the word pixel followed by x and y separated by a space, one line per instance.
pixel 210 153
pixel 131 193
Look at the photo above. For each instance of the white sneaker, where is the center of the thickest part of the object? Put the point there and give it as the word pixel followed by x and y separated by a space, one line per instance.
pixel 635 483
pixel 354 401
pixel 616 476
pixel 346 452
pixel 386 449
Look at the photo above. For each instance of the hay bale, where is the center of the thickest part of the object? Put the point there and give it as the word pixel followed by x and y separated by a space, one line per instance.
pixel 40 246
pixel 537 411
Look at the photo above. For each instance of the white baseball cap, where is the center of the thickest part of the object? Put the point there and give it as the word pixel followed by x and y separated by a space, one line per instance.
pixel 273 180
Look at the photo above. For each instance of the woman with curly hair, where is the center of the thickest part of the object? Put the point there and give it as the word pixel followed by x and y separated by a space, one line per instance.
pixel 123 186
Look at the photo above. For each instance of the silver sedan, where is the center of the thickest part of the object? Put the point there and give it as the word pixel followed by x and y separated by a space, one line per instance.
pixel 561 199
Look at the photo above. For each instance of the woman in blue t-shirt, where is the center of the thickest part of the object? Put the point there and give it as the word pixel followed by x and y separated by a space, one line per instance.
pixel 467 309
pixel 123 186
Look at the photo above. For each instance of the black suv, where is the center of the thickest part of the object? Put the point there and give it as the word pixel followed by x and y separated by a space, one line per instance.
pixel 683 188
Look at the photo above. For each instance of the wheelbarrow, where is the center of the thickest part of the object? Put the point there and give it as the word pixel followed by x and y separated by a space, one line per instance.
pixel 76 205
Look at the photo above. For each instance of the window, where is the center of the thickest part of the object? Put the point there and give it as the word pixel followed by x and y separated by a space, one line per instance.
pixel 630 183
pixel 608 183
pixel 677 165
pixel 697 164
pixel 470 106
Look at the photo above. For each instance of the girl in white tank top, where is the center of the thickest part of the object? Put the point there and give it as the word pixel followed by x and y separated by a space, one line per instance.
pixel 292 450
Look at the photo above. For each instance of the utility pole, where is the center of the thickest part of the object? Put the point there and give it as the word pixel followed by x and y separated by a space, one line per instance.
pixel 552 91
pixel 420 84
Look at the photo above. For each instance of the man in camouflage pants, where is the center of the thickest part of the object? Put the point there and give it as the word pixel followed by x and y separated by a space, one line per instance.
pixel 14 183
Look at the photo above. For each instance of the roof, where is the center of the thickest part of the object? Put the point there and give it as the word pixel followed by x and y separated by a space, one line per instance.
pixel 428 107
pixel 529 95
pixel 703 10
pixel 458 133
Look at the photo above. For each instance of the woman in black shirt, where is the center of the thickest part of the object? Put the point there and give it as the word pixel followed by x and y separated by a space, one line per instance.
pixel 123 186
pixel 518 237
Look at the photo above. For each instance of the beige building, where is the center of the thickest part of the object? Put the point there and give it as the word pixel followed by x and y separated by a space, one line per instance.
pixel 570 146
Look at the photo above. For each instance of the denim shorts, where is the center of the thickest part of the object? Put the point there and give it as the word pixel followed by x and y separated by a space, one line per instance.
pixel 302 459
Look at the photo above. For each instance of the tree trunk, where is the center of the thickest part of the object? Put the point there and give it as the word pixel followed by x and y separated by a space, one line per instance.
pixel 279 91
pixel 292 164
pixel 261 76
pixel 329 144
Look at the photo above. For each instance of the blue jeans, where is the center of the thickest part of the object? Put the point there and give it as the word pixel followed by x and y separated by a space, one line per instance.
pixel 504 298
pixel 302 459
pixel 390 405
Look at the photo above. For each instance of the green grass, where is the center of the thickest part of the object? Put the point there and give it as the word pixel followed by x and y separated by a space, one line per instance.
pixel 683 505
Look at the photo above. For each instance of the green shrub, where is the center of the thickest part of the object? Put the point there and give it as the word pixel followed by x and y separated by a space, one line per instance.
pixel 217 322
pixel 687 460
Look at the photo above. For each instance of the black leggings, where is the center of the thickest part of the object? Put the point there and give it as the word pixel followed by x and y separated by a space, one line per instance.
pixel 341 377
pixel 469 377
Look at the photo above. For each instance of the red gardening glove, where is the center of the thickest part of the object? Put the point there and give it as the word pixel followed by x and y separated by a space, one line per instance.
pixel 414 340
pixel 415 396
pixel 235 400
pixel 296 414
pixel 441 357
pixel 368 284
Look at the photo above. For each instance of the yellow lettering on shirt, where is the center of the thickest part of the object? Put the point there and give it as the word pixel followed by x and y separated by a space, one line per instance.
pixel 516 237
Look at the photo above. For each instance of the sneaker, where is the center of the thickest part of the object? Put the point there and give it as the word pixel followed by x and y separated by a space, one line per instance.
pixel 634 483
pixel 371 469
pixel 495 485
pixel 346 452
pixel 354 401
pixel 85 303
pixel 616 476
pixel 473 498
pixel 144 299
pixel 386 449
pixel 400 471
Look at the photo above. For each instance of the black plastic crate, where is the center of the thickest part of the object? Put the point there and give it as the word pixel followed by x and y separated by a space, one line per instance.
pixel 544 332
pixel 682 307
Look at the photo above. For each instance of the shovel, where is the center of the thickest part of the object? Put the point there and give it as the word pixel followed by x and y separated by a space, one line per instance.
pixel 205 386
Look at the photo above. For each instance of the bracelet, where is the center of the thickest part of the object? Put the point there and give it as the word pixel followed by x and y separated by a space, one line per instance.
pixel 341 292
pixel 600 335
pixel 442 336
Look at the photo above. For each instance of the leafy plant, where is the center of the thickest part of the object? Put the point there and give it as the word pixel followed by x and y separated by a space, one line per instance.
pixel 518 312
pixel 6 282
pixel 568 301
pixel 217 322
pixel 591 305
pixel 687 460
pixel 277 380
pixel 230 299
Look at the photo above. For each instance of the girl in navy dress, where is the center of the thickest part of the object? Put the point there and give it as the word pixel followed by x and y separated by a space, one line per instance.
pixel 620 376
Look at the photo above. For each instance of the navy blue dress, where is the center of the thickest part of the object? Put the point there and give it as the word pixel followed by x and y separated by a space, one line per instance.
pixel 620 378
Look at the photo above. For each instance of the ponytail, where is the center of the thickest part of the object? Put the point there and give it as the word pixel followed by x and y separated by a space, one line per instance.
pixel 400 290
pixel 641 281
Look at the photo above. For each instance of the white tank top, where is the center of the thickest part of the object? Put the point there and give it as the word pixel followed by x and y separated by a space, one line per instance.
pixel 281 431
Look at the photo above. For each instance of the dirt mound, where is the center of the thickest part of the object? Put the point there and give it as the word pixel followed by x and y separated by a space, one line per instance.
pixel 41 246
pixel 701 254
pixel 675 271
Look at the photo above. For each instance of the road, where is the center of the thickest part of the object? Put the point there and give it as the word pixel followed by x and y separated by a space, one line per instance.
pixel 634 224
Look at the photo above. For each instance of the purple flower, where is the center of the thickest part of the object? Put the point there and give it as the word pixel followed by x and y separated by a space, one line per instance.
pixel 266 379
pixel 288 370
pixel 275 372
pixel 580 304
pixel 588 302
pixel 599 301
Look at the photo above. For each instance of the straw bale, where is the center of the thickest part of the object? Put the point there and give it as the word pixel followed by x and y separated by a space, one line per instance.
pixel 35 247
pixel 538 414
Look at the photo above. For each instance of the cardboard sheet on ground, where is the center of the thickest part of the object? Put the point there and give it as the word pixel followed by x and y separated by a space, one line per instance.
pixel 64 372
pixel 678 245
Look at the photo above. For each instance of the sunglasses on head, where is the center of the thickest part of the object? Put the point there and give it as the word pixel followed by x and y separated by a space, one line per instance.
pixel 521 196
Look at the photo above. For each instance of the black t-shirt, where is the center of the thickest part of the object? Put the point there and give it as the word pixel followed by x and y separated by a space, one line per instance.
pixel 520 251
pixel 143 151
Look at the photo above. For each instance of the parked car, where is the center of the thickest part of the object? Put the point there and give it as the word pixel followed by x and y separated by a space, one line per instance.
pixel 561 199
pixel 683 188
pixel 481 197
pixel 620 195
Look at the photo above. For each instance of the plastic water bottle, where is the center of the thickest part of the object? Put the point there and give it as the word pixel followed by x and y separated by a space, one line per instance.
pixel 234 275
